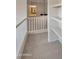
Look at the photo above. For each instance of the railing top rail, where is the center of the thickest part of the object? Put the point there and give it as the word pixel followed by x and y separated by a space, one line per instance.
pixel 37 16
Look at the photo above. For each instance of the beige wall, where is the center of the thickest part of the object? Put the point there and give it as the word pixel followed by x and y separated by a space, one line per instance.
pixel 20 10
pixel 52 2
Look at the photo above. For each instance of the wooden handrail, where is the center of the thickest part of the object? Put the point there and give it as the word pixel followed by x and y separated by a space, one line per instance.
pixel 20 23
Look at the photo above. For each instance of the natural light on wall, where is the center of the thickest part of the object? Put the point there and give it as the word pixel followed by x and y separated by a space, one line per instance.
pixel 32 10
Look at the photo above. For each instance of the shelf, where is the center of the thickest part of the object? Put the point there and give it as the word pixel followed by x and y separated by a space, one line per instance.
pixel 56 5
pixel 52 29
pixel 56 19
pixel 60 37
pixel 57 27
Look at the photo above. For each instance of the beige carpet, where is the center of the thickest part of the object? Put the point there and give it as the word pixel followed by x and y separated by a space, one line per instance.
pixel 37 47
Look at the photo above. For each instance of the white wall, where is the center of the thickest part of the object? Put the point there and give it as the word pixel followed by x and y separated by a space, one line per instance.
pixel 20 35
pixel 21 31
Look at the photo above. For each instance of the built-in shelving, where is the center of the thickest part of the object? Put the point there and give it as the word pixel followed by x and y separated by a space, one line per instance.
pixel 56 26
pixel 56 5
pixel 52 29
pixel 56 19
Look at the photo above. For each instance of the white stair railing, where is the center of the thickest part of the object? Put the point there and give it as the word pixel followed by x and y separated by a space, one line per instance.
pixel 37 23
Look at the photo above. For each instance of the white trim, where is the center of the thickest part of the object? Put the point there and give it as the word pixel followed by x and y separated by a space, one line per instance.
pixel 51 40
pixel 38 31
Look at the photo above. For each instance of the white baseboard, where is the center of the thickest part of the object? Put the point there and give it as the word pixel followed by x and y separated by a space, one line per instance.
pixel 22 48
pixel 51 40
pixel 38 31
pixel 55 40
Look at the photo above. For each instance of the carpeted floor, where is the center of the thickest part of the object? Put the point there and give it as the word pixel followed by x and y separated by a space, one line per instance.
pixel 38 47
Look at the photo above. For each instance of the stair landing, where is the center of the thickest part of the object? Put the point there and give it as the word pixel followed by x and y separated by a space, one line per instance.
pixel 38 47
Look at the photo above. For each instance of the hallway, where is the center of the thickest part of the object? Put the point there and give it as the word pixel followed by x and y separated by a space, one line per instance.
pixel 38 47
pixel 38 29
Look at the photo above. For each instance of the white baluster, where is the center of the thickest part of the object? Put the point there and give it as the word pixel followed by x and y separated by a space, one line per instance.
pixel 29 25
pixel 33 23
pixel 37 23
pixel 43 22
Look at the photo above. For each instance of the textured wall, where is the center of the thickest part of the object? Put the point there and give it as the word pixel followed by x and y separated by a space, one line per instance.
pixel 41 7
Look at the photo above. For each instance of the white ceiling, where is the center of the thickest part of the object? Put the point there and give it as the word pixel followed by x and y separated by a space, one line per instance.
pixel 39 1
